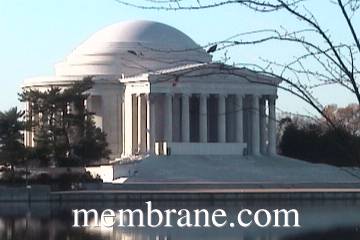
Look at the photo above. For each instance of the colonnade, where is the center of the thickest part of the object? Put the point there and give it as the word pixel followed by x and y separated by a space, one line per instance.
pixel 261 139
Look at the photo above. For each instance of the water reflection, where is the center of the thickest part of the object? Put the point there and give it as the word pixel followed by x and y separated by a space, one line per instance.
pixel 330 220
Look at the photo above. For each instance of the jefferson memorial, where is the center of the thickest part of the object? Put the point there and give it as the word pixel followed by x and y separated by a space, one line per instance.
pixel 157 92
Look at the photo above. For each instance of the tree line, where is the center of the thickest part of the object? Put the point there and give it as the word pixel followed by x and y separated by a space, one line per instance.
pixel 315 141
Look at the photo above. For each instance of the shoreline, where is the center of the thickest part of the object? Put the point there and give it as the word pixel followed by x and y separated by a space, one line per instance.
pixel 193 192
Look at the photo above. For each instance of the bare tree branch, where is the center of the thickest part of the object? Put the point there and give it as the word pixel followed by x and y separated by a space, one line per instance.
pixel 324 61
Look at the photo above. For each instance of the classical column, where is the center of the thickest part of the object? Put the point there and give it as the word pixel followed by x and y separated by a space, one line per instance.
pixel 135 123
pixel 150 124
pixel 203 118
pixel 141 123
pixel 139 108
pixel 272 126
pixel 262 109
pixel 239 118
pixel 168 117
pixel 185 118
pixel 255 144
pixel 221 118
pixel 29 117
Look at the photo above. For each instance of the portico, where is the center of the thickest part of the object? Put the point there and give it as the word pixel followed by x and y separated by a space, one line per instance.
pixel 199 117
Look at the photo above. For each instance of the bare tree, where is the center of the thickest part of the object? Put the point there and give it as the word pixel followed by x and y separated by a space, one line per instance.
pixel 323 60
pixel 348 117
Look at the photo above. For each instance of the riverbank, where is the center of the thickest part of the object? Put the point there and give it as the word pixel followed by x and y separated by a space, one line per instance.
pixel 209 195
pixel 183 192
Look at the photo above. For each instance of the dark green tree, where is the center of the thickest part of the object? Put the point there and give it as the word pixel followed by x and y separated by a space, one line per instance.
pixel 87 150
pixel 12 150
pixel 62 125
pixel 316 142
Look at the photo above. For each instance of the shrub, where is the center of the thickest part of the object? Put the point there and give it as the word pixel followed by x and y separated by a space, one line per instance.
pixel 7 176
pixel 71 181
pixel 65 181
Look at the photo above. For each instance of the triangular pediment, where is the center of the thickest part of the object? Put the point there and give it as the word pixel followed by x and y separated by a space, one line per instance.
pixel 212 73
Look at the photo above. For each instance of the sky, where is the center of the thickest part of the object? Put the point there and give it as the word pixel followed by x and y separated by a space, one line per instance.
pixel 37 34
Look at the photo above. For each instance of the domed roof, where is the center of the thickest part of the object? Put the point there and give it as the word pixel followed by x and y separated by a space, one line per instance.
pixel 130 48
pixel 143 32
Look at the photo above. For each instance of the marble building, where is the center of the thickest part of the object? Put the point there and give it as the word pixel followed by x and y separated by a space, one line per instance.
pixel 158 92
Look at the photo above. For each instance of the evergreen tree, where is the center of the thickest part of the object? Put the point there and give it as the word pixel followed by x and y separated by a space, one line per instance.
pixel 63 126
pixel 12 150
pixel 87 150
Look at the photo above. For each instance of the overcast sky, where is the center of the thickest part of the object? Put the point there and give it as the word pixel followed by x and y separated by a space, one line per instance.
pixel 37 34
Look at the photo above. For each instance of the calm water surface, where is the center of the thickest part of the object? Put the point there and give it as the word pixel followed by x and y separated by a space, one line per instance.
pixel 328 220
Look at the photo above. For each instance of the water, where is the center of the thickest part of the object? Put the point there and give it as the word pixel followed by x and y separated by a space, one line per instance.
pixel 328 220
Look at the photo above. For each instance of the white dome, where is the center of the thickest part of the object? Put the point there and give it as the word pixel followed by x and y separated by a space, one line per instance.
pixel 130 48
